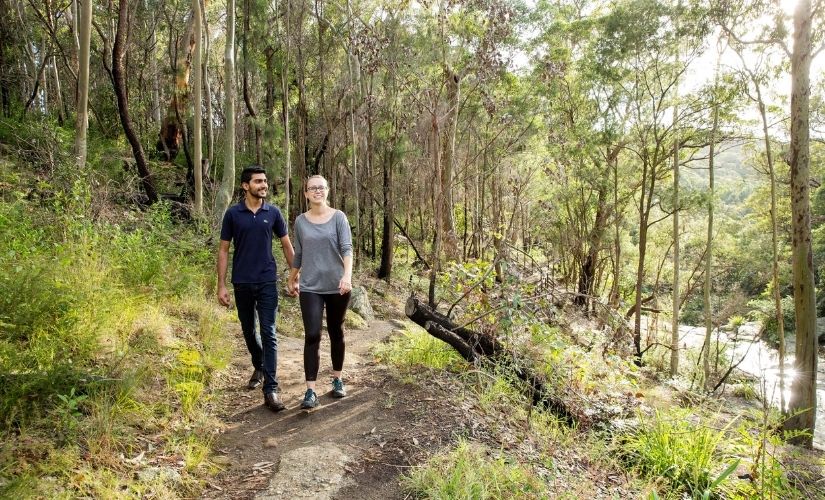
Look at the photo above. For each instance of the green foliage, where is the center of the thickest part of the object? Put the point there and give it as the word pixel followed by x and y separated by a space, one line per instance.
pixel 682 453
pixel 760 443
pixel 763 309
pixel 68 411
pixel 187 379
pixel 155 258
pixel 471 472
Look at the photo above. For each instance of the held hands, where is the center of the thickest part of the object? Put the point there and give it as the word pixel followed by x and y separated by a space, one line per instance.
pixel 292 287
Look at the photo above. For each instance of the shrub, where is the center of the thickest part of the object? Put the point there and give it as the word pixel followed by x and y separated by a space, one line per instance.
pixel 682 454
pixel 764 311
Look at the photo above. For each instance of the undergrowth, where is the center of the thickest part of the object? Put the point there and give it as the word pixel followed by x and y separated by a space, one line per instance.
pixel 107 336
pixel 666 453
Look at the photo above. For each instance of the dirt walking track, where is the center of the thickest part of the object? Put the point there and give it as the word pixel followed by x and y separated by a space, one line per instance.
pixel 355 447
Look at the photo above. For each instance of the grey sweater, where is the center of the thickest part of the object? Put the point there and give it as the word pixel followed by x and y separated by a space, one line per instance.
pixel 319 252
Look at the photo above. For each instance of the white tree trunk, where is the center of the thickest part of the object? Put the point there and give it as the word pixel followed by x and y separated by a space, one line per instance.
pixel 228 183
pixel 82 123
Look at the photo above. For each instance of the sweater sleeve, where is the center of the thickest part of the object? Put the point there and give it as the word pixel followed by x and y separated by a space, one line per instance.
pixel 296 245
pixel 344 235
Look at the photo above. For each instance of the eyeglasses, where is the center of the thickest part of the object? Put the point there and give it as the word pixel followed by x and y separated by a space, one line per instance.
pixel 314 189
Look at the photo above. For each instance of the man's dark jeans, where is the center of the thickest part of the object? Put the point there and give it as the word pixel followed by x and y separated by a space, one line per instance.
pixel 263 299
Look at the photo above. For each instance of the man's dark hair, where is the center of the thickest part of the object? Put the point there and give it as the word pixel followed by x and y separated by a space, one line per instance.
pixel 248 172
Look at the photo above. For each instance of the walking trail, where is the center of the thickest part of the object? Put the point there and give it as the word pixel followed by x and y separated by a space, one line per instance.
pixel 355 447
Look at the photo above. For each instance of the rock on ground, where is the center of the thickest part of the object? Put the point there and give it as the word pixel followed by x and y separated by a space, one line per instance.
pixel 311 472
pixel 360 303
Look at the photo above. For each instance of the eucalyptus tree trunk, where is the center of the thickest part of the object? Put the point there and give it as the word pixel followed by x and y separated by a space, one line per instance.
pixel 320 156
pixel 224 196
pixel 301 109
pixel 674 324
pixel 802 406
pixel 197 100
pixel 171 129
pixel 119 81
pixel 285 109
pixel 370 158
pixel 587 269
pixel 82 122
pixel 207 87
pixel 388 206
pixel 58 92
pixel 250 107
pixel 153 70
pixel 5 94
pixel 353 71
pixel 617 241
pixel 388 228
pixel 777 295
pixel 435 151
pixel 709 243
pixel 645 203
pixel 453 85
pixel 74 27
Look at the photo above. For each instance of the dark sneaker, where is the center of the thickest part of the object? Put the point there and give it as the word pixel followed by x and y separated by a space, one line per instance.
pixel 338 390
pixel 273 402
pixel 255 380
pixel 310 400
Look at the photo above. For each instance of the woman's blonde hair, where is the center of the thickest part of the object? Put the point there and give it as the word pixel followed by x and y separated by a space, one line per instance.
pixel 316 176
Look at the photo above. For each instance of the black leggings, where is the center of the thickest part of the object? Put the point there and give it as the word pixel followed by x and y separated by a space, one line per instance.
pixel 312 311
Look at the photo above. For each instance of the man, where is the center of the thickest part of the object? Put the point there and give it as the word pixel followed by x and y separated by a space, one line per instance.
pixel 251 224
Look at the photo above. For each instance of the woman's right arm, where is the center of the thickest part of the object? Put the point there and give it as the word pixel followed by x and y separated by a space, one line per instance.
pixel 295 269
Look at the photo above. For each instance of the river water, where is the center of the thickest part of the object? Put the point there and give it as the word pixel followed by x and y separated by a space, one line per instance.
pixel 762 361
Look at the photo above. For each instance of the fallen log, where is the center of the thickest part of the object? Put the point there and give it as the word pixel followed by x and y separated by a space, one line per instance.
pixel 457 343
pixel 475 347
pixel 421 313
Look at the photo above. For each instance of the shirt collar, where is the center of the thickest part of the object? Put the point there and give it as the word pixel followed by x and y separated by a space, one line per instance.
pixel 242 205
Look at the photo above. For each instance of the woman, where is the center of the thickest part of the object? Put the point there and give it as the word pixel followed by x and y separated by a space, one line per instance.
pixel 322 273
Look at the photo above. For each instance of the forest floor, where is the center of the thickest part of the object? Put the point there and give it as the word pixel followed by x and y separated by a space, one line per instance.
pixel 361 445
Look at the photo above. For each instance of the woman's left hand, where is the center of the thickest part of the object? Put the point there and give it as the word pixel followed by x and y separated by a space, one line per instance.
pixel 344 286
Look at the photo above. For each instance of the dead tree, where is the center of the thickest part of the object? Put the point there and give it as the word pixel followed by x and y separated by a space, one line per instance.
pixel 476 347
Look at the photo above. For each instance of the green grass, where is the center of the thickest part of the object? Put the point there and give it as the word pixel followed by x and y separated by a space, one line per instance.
pixel 415 348
pixel 686 457
pixel 471 472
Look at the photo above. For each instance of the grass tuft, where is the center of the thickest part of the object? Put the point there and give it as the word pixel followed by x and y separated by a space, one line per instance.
pixel 415 348
pixel 684 456
pixel 469 471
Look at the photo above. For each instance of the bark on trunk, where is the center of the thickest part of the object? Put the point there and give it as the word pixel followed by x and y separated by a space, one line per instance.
pixel 171 130
pixel 119 79
pixel 709 245
pixel 82 116
pixel 197 99
pixel 802 406
pixel 250 108
pixel 224 196
pixel 453 84
pixel 674 323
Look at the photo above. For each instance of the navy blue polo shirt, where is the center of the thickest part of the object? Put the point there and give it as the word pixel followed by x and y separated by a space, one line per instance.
pixel 251 233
